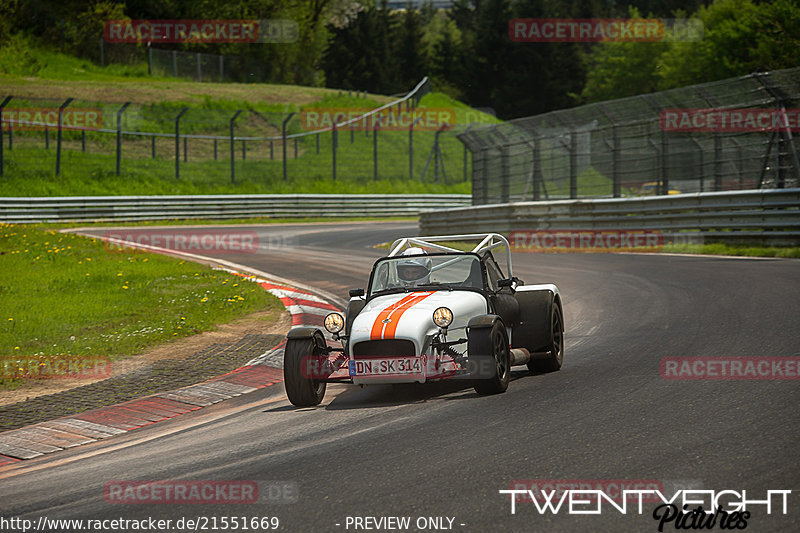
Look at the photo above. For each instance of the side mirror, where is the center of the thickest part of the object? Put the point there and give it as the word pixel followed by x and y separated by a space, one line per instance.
pixel 507 282
pixel 355 293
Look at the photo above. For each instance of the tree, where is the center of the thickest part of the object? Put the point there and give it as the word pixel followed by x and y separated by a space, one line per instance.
pixel 408 56
pixel 620 69
pixel 740 37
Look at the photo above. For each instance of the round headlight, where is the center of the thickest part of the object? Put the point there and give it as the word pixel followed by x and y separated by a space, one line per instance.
pixel 334 322
pixel 443 317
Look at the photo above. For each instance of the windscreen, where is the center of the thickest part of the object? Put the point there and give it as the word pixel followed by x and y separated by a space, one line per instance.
pixel 450 270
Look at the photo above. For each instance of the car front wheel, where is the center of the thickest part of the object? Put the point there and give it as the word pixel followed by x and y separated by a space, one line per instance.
pixel 301 390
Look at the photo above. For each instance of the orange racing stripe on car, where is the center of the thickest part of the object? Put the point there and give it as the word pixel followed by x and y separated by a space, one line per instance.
pixel 394 312
pixel 377 327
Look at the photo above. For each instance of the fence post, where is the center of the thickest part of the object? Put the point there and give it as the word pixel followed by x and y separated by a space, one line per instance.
pixel 616 185
pixel 505 177
pixel 375 129
pixel 464 158
pixel 664 165
pixel 153 146
pixel 46 138
pixel 221 67
pixel 702 164
pixel 411 148
pixel 244 150
pixel 295 147
pixel 538 178
pixel 58 141
pixel 149 59
pixel 573 164
pixel 2 106
pixel 119 133
pixel 233 159
pixel 283 142
pixel 178 142
pixel 334 144
pixel 438 157
pixel 215 148
pixel 271 150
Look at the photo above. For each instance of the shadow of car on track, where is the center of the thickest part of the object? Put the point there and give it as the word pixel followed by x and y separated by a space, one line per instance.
pixel 375 396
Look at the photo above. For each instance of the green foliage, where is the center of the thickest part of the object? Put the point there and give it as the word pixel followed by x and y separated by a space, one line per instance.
pixel 18 57
pixel 740 37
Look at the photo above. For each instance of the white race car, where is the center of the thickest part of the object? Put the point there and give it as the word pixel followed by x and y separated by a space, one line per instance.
pixel 432 311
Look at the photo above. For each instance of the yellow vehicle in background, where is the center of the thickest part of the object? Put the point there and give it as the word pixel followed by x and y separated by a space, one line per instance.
pixel 651 189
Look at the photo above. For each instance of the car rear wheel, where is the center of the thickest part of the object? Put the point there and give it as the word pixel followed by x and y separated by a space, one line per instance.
pixel 555 358
pixel 301 390
pixel 489 348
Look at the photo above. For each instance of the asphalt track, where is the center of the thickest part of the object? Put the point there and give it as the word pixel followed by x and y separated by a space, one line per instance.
pixel 439 450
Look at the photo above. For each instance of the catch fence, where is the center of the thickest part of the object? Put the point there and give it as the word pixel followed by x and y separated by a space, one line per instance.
pixel 739 133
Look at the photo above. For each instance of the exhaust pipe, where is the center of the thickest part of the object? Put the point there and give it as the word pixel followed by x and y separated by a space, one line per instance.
pixel 520 356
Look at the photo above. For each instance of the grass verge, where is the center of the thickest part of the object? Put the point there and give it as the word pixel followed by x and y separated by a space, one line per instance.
pixel 63 294
pixel 225 221
pixel 699 249
pixel 735 250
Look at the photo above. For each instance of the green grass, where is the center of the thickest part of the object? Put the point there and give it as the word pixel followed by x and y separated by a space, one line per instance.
pixel 704 249
pixel 40 78
pixel 732 249
pixel 30 167
pixel 225 221
pixel 20 56
pixel 67 294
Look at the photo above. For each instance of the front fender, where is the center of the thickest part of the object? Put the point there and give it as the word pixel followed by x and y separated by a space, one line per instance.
pixel 483 321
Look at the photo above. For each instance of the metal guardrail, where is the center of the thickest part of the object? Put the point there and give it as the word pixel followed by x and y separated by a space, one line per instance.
pixel 129 208
pixel 767 216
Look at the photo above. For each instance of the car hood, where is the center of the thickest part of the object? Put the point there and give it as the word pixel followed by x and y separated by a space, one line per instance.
pixel 410 315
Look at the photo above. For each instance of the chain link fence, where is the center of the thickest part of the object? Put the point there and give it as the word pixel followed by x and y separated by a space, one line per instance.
pixel 196 66
pixel 43 138
pixel 739 133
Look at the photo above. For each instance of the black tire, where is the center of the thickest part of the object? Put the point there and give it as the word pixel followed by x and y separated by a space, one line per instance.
pixel 488 346
pixel 555 358
pixel 302 392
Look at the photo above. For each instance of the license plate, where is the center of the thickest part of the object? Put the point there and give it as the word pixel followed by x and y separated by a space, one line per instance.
pixel 387 366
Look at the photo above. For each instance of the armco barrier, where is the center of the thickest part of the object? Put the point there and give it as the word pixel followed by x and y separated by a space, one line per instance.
pixel 766 216
pixel 129 208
